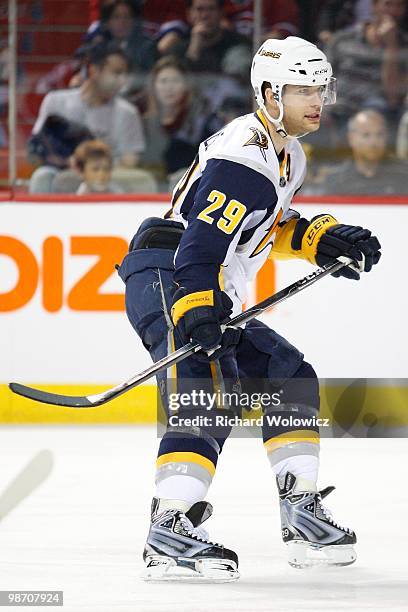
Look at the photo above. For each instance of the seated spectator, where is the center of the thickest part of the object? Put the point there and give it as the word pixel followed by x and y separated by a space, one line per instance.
pixel 370 61
pixel 339 14
pixel 173 122
pixel 93 161
pixel 97 106
pixel 370 171
pixel 204 41
pixel 153 12
pixel 120 23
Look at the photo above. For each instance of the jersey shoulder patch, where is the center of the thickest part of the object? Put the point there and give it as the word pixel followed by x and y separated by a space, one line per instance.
pixel 258 139
pixel 243 141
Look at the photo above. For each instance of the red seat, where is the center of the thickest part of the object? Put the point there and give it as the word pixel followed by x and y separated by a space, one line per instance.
pixel 46 44
pixel 51 13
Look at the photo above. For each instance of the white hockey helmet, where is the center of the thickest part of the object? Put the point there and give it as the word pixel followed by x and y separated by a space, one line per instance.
pixel 292 61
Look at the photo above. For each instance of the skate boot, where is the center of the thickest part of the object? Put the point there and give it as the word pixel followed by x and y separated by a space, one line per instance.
pixel 308 529
pixel 177 548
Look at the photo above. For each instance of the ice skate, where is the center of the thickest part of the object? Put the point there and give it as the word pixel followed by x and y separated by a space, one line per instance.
pixel 177 548
pixel 311 535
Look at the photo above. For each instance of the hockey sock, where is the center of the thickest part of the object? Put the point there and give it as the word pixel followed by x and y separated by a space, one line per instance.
pixel 292 439
pixel 179 487
pixel 186 464
pixel 304 467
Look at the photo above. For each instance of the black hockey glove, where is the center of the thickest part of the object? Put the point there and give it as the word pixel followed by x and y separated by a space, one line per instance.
pixel 324 241
pixel 350 241
pixel 198 317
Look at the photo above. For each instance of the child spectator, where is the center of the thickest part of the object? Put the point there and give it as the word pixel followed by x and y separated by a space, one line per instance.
pixel 93 161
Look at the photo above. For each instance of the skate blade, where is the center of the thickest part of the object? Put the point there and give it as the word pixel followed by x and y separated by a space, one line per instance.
pixel 304 555
pixel 166 569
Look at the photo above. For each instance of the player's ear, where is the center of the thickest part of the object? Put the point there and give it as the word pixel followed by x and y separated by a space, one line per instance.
pixel 270 103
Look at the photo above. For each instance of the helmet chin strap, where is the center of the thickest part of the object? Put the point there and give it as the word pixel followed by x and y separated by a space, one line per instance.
pixel 278 123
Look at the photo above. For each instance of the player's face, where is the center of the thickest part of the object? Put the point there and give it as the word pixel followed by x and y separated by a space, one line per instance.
pixel 302 108
pixel 97 174
pixel 368 138
pixel 170 87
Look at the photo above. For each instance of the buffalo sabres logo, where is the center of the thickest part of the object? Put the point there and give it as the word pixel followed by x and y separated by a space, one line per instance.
pixel 258 139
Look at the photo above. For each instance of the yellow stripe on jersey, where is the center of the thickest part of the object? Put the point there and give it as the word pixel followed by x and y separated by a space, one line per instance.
pixel 186 457
pixel 289 437
pixel 263 120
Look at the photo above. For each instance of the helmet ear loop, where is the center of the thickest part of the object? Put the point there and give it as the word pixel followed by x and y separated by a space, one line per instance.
pixel 276 122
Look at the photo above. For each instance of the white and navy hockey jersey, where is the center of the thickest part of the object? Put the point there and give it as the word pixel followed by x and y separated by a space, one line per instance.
pixel 231 201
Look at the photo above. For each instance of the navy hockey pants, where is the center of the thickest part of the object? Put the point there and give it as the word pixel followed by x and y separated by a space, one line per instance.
pixel 263 361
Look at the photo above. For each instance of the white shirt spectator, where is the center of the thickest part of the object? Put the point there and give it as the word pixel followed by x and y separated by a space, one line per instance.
pixel 117 122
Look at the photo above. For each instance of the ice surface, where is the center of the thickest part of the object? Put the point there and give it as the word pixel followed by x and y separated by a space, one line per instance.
pixel 83 530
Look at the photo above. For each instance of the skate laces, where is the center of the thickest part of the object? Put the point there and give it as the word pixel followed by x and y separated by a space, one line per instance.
pixel 329 516
pixel 198 533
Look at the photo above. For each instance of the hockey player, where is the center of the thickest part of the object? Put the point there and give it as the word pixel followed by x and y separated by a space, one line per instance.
pixel 187 274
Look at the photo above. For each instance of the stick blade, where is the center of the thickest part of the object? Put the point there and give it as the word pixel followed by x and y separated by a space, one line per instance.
pixel 72 401
pixel 34 474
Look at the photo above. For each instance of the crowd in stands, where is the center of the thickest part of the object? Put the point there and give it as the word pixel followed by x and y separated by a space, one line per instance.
pixel 151 79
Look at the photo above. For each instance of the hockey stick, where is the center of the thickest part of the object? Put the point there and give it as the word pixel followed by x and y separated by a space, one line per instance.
pixel 89 401
pixel 34 474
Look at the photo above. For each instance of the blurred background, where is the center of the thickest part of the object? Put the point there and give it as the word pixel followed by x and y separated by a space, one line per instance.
pixel 113 96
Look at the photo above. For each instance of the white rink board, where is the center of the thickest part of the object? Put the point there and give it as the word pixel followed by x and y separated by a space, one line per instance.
pixel 345 329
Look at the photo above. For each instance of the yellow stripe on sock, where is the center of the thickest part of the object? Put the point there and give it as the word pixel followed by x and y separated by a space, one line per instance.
pixel 180 457
pixel 302 435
